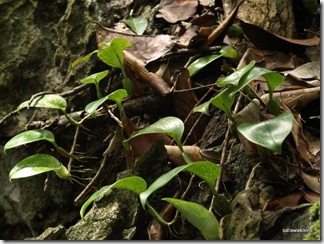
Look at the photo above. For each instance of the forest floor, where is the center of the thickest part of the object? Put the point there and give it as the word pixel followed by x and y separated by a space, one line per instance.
pixel 209 65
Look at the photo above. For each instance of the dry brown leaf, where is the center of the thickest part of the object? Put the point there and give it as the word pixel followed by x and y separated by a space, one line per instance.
pixel 176 157
pixel 311 196
pixel 292 200
pixel 184 102
pixel 298 135
pixel 307 71
pixel 272 60
pixel 146 48
pixel 265 40
pixel 155 230
pixel 220 32
pixel 176 10
pixel 143 143
pixel 136 71
pixel 312 181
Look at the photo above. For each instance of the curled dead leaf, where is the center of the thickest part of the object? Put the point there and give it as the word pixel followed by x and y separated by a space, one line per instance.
pixel 176 10
pixel 176 157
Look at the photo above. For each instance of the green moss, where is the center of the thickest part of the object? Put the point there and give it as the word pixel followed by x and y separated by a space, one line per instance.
pixel 315 233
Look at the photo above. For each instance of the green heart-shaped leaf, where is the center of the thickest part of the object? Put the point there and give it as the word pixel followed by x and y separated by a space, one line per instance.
pixel 93 106
pixel 46 101
pixel 134 183
pixel 29 137
pixel 36 164
pixel 95 78
pixel 198 216
pixel 113 53
pixel 117 96
pixel 270 133
pixel 235 77
pixel 171 126
pixel 205 170
pixel 138 25
pixel 200 63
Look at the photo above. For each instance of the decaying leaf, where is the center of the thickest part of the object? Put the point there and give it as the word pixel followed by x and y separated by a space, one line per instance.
pixel 292 200
pixel 265 40
pixel 312 181
pixel 176 10
pixel 184 102
pixel 220 32
pixel 176 157
pixel 146 48
pixel 307 71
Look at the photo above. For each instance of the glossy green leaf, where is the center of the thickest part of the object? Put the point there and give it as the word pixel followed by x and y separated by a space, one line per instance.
pixel 270 133
pixel 225 99
pixel 171 126
pixel 82 59
pixel 93 106
pixel 200 63
pixel 203 108
pixel 29 136
pixel 95 78
pixel 113 53
pixel 34 165
pixel 134 183
pixel 234 78
pixel 198 216
pixel 207 171
pixel 46 101
pixel 274 79
pixel 117 96
pixel 138 25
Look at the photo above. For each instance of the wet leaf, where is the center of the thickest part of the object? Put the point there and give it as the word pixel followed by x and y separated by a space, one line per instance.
pixel 138 25
pixel 46 101
pixel 134 183
pixel 29 137
pixel 176 10
pixel 38 164
pixel 270 133
pixel 198 216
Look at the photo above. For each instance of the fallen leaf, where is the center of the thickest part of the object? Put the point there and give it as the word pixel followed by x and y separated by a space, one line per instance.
pixel 272 60
pixel 176 10
pixel 146 48
pixel 307 71
pixel 292 200
pixel 184 102
pixel 265 40
pixel 312 181
pixel 176 157
pixel 311 196
pixel 220 32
